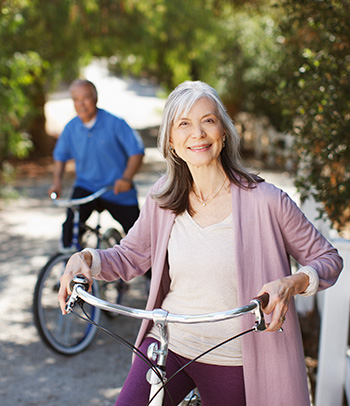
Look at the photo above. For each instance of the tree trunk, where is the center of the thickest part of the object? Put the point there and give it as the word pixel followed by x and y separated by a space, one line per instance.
pixel 36 127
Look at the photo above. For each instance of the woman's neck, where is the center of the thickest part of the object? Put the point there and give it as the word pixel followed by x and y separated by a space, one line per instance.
pixel 208 183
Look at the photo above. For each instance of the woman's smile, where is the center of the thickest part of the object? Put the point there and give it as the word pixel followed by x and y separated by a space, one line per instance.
pixel 200 148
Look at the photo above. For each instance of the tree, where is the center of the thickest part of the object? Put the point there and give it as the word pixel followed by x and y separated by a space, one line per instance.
pixel 53 31
pixel 315 90
pixel 42 43
pixel 250 59
pixel 169 41
pixel 17 73
pixel 161 39
pixel 289 62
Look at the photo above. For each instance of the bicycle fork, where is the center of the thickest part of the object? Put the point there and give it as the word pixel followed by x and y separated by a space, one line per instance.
pixel 158 353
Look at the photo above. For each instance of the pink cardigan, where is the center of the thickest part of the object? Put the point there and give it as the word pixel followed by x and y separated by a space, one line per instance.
pixel 268 226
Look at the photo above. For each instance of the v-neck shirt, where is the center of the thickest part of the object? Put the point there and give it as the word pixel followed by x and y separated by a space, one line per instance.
pixel 203 280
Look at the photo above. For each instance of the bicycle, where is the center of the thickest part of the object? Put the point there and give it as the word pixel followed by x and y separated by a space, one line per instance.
pixel 58 333
pixel 156 375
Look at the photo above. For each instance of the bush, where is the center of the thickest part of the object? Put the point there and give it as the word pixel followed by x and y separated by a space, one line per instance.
pixel 314 92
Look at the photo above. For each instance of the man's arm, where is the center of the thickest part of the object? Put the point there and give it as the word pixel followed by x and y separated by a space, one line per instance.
pixel 125 183
pixel 58 172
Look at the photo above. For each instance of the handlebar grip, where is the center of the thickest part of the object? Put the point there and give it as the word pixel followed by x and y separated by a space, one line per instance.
pixel 81 280
pixel 263 299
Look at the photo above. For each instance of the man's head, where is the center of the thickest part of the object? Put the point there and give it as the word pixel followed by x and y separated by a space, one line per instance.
pixel 84 95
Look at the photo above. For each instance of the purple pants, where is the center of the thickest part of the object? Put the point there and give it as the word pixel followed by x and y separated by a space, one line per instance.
pixel 217 385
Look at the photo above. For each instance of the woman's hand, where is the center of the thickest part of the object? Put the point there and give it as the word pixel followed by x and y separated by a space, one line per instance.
pixel 281 291
pixel 78 264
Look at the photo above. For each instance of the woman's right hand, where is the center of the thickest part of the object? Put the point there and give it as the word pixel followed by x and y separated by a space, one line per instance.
pixel 78 264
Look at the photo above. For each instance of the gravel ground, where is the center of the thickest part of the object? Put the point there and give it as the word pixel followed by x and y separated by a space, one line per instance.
pixel 32 374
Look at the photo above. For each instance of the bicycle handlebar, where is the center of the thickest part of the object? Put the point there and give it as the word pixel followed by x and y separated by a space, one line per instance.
pixel 79 288
pixel 156 375
pixel 82 200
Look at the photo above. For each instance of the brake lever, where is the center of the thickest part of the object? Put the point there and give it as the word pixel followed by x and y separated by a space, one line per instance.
pixel 78 280
pixel 261 302
pixel 260 324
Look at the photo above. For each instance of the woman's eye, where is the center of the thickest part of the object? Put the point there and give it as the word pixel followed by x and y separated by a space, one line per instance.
pixel 183 124
pixel 210 120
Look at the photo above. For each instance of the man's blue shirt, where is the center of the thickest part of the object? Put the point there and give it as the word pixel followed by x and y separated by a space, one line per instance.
pixel 100 153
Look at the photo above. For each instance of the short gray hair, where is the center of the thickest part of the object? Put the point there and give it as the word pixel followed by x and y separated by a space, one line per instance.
pixel 84 83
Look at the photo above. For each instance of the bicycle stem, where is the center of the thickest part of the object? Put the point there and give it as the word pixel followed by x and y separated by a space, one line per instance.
pixel 160 322
pixel 154 352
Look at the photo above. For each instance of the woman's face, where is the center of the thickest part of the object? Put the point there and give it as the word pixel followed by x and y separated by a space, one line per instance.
pixel 197 137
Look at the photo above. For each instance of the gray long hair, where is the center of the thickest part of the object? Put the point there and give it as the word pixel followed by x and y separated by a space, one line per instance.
pixel 175 191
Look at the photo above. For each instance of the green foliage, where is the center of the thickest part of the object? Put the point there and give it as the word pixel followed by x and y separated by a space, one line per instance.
pixel 315 93
pixel 16 74
pixel 251 57
pixel 227 45
pixel 233 47
pixel 289 62
pixel 42 42
pixel 170 41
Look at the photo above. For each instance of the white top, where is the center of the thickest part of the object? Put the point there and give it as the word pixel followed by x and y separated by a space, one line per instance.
pixel 203 280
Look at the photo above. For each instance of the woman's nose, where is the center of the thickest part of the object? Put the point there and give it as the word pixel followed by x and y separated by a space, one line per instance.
pixel 198 132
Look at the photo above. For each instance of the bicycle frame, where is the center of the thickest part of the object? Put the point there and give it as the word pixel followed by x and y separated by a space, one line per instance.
pixel 74 204
pixel 161 318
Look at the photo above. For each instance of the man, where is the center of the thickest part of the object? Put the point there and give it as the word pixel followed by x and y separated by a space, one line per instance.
pixel 106 151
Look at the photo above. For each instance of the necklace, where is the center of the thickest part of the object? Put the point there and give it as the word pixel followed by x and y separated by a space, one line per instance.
pixel 204 203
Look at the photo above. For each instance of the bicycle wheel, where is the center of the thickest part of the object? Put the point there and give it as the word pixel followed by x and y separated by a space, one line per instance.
pixel 67 334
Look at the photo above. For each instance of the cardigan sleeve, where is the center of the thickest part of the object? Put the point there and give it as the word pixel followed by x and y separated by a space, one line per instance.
pixel 314 280
pixel 132 257
pixel 306 244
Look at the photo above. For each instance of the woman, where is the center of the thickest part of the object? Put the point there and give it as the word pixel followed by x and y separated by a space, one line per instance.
pixel 216 236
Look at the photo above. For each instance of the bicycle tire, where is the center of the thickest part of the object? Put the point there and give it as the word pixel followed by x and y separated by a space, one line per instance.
pixel 67 335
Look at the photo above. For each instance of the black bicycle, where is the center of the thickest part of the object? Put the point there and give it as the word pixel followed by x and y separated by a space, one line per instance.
pixel 63 334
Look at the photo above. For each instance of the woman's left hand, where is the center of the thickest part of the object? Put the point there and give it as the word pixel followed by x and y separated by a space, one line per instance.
pixel 281 291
